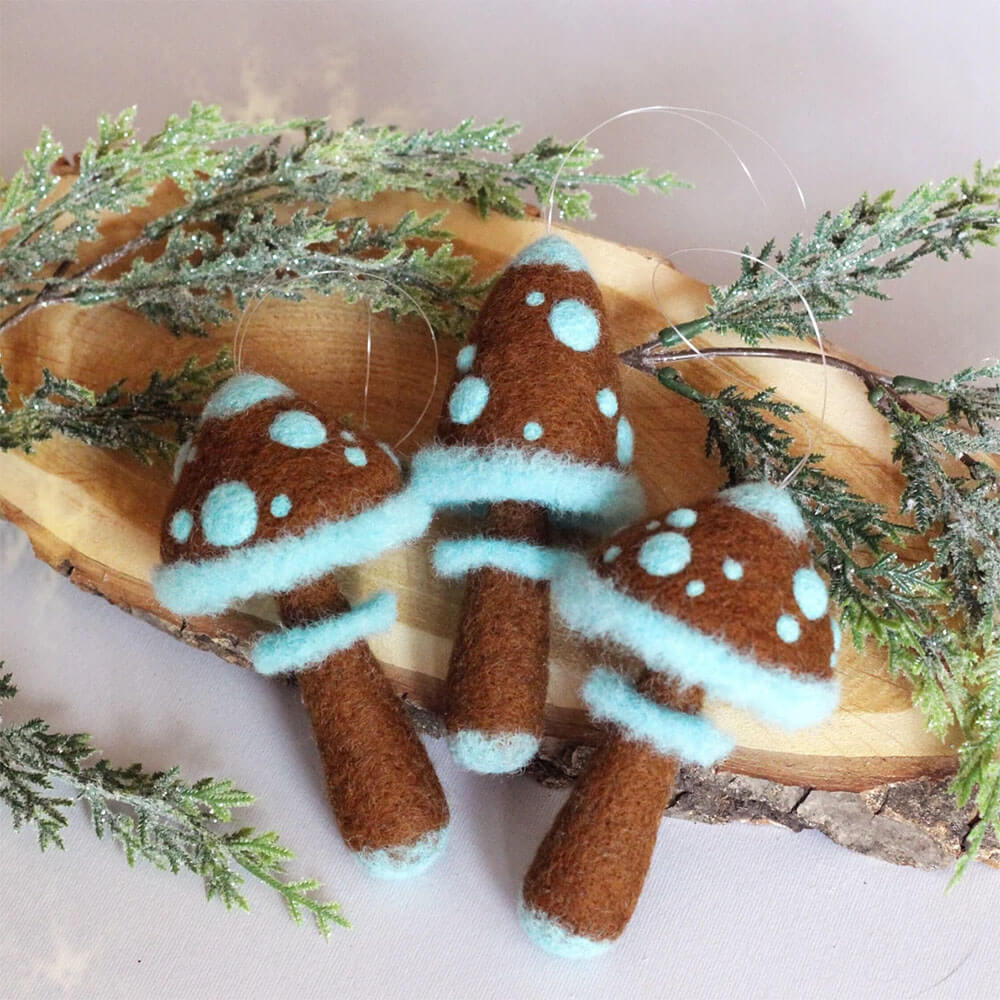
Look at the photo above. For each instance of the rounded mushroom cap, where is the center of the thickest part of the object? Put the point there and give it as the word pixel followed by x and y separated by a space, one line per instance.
pixel 539 371
pixel 736 568
pixel 264 464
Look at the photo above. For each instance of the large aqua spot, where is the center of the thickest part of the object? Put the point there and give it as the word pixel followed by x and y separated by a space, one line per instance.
pixel 297 429
pixel 575 324
pixel 551 250
pixel 788 629
pixel 810 593
pixel 240 393
pixel 229 514
pixel 665 554
pixel 683 517
pixel 468 399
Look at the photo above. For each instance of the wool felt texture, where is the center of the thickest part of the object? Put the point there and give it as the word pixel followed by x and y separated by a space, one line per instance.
pixel 528 428
pixel 381 784
pixel 498 674
pixel 454 557
pixel 584 882
pixel 294 649
pixel 271 500
pixel 460 476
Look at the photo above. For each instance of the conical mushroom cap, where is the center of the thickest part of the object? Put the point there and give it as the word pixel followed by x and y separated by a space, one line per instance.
pixel 271 494
pixel 537 391
pixel 723 595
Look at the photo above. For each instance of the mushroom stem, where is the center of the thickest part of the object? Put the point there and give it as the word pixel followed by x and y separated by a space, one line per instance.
pixel 498 675
pixel 383 789
pixel 588 872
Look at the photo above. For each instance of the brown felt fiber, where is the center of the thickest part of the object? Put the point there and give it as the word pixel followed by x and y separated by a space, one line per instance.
pixel 589 870
pixel 380 781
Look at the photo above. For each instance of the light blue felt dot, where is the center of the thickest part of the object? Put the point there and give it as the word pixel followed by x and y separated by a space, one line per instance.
pixel 297 429
pixel 731 569
pixel 788 628
pixel 229 514
pixel 695 588
pixel 356 456
pixel 240 393
pixel 534 298
pixel 281 505
pixel 348 437
pixel 665 554
pixel 810 593
pixel 575 324
pixel 552 250
pixel 468 399
pixel 612 552
pixel 465 357
pixel 533 430
pixel 683 517
pixel 180 526
pixel 607 402
pixel 390 453
pixel 625 441
pixel 652 525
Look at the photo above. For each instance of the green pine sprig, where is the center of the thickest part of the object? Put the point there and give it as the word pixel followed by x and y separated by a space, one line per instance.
pixel 154 816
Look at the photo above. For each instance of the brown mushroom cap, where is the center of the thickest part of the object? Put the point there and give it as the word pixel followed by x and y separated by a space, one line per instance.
pixel 722 595
pixel 265 469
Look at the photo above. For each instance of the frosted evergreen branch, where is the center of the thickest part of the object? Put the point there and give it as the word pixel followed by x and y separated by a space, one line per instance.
pixel 154 816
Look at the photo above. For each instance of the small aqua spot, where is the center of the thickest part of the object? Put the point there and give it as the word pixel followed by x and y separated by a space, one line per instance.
pixel 390 453
pixel 534 298
pixel 683 517
pixel 180 526
pixel 281 505
pixel 297 429
pixel 810 593
pixel 652 525
pixel 575 324
pixel 788 628
pixel 625 441
pixel 356 456
pixel 695 588
pixel 468 399
pixel 229 514
pixel 607 402
pixel 611 553
pixel 348 437
pixel 731 569
pixel 665 554
pixel 533 430
pixel 465 357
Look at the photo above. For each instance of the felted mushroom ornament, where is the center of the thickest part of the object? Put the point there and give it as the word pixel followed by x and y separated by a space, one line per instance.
pixel 719 599
pixel 533 429
pixel 271 498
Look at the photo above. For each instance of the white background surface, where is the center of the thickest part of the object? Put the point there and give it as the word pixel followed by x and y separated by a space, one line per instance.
pixel 855 95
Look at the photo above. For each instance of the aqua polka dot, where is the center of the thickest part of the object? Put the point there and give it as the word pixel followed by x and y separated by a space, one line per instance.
pixel 683 517
pixel 465 357
pixel 281 505
pixel 229 514
pixel 607 402
pixel 625 441
pixel 240 393
pixel 652 525
pixel 731 569
pixel 665 554
pixel 180 526
pixel 575 324
pixel 468 399
pixel 612 552
pixel 788 629
pixel 390 453
pixel 348 437
pixel 810 593
pixel 533 431
pixel 297 429
pixel 534 298
pixel 695 588
pixel 356 456
pixel 551 250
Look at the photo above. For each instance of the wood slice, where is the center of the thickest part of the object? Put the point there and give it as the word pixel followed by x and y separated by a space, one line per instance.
pixel 94 515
